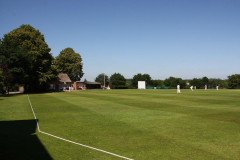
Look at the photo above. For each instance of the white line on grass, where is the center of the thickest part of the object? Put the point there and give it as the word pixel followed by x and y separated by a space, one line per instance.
pixel 72 141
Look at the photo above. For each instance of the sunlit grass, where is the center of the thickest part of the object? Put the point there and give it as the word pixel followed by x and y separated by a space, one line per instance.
pixel 138 124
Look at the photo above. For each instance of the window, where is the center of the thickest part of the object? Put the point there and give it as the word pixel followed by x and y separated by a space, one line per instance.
pixel 79 85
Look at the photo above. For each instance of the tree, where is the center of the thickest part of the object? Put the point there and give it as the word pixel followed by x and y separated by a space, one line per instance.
pixel 173 82
pixel 170 81
pixel 167 82
pixel 118 80
pixel 147 79
pixel 2 78
pixel 196 82
pixel 68 61
pixel 27 56
pixel 100 78
pixel 224 83
pixel 5 77
pixel 233 81
pixel 181 82
pixel 140 77
pixel 205 81
pixel 157 83
pixel 135 79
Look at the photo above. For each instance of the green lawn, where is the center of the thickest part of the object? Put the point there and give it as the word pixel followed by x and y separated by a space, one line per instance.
pixel 138 124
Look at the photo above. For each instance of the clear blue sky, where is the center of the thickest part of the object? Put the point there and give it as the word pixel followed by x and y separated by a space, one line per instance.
pixel 181 38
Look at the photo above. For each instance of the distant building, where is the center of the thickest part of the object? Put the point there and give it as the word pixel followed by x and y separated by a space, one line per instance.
pixel 93 85
pixel 64 82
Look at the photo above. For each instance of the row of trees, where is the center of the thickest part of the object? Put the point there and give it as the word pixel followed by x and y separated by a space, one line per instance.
pixel 118 81
pixel 27 58
pixel 201 82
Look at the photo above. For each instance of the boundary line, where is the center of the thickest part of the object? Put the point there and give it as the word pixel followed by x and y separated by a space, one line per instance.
pixel 72 141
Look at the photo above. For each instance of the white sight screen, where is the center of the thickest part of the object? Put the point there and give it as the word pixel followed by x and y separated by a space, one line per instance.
pixel 141 85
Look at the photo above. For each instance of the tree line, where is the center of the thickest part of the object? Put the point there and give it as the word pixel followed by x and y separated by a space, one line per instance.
pixel 25 60
pixel 117 80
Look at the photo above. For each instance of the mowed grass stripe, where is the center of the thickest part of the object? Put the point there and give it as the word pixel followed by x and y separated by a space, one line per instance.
pixel 10 108
pixel 159 96
pixel 186 130
pixel 193 106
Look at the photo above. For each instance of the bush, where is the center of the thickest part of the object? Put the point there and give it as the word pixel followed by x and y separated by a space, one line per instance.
pixel 130 86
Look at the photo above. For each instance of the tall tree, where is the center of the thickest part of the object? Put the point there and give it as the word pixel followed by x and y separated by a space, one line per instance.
pixel 140 77
pixel 68 61
pixel 27 56
pixel 100 78
pixel 118 80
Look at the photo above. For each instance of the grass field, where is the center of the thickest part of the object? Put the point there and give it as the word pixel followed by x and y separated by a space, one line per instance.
pixel 138 124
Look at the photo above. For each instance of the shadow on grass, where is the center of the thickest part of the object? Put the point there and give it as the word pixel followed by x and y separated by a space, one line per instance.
pixel 10 95
pixel 18 141
pixel 18 94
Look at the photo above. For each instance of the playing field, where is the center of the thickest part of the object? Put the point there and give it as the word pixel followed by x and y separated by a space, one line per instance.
pixel 137 124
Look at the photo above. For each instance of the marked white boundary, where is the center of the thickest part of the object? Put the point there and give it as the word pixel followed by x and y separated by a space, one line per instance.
pixel 72 141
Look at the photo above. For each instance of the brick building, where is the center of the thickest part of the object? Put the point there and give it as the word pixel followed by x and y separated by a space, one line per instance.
pixel 64 82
